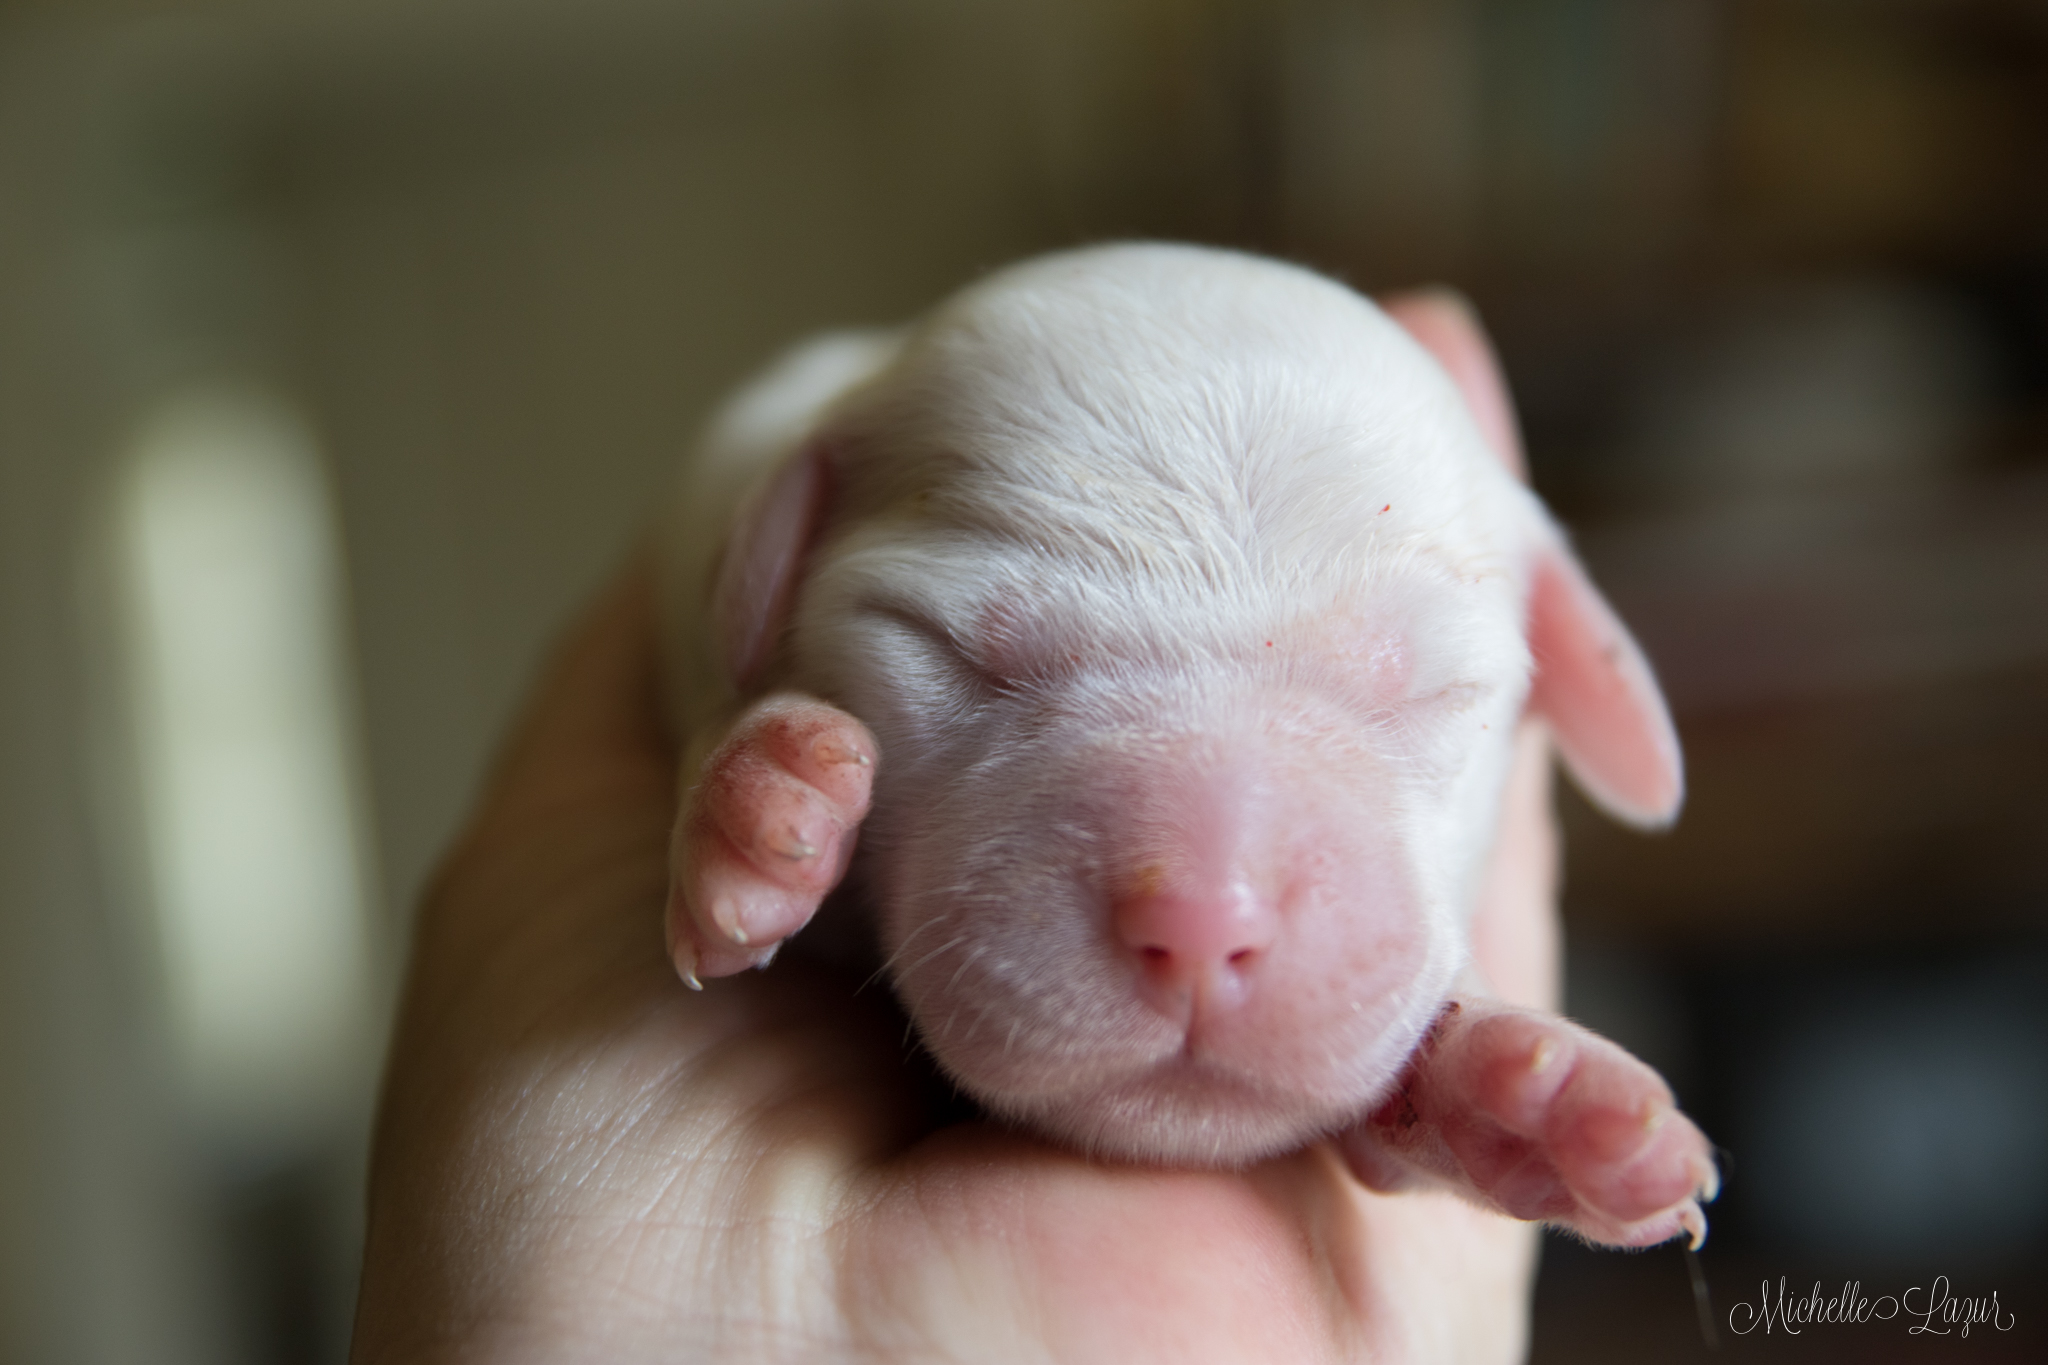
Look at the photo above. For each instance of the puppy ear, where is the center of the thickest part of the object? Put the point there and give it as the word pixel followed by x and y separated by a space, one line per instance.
pixel 1592 683
pixel 1595 688
pixel 1445 326
pixel 755 589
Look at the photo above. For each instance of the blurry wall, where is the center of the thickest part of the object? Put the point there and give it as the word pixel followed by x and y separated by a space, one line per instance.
pixel 1770 278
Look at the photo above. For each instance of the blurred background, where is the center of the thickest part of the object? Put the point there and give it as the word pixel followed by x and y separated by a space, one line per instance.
pixel 346 344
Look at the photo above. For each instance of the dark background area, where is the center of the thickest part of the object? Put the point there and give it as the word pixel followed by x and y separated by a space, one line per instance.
pixel 1770 281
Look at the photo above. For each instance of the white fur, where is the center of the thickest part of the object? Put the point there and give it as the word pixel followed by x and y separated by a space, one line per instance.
pixel 1126 543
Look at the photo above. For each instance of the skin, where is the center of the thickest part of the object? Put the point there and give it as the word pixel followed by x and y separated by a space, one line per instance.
pixel 577 1158
pixel 1518 1109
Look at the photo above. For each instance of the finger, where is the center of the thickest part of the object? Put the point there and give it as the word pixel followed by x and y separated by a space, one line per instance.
pixel 584 783
pixel 597 705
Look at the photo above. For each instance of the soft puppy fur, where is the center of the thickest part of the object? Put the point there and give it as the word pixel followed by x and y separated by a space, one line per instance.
pixel 1156 621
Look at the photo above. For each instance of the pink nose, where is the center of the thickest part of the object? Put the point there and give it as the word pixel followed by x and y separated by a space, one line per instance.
pixel 1196 949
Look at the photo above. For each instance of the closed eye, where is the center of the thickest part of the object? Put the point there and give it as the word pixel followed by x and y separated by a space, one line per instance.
pixel 1432 735
pixel 1452 700
pixel 943 644
pixel 1434 706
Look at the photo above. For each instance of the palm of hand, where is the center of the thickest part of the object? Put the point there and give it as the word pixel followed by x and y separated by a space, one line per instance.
pixel 578 1159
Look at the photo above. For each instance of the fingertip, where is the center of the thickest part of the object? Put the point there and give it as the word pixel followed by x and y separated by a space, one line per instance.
pixel 725 917
pixel 1706 1178
pixel 600 691
pixel 684 955
pixel 1694 1221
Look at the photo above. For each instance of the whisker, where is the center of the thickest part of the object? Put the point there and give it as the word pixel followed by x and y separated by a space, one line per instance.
pixel 965 963
pixel 943 948
pixel 901 949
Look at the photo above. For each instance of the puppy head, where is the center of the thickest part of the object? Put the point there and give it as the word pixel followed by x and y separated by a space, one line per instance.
pixel 1193 617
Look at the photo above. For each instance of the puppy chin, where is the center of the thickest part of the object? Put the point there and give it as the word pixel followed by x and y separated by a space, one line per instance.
pixel 1186 1116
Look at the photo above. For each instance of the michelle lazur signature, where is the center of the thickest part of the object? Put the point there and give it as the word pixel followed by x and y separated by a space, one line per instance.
pixel 1930 1310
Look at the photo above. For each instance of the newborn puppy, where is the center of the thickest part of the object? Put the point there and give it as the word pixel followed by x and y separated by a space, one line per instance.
pixel 1160 620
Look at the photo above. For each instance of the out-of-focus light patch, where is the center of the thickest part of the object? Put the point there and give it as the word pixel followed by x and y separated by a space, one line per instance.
pixel 229 568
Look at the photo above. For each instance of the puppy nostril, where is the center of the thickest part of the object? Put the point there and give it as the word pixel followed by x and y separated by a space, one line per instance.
pixel 1202 948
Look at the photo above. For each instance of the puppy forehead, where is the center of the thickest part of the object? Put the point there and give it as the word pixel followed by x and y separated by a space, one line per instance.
pixel 1158 441
pixel 1152 291
pixel 1167 400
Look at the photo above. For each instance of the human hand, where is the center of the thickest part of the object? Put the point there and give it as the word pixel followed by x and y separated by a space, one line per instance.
pixel 579 1159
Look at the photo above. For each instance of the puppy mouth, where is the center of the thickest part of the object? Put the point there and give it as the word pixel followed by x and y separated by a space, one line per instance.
pixel 1186 1112
pixel 1181 1109
pixel 1139 1085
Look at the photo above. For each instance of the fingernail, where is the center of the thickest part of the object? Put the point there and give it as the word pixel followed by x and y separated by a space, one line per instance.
pixel 1709 1181
pixel 767 958
pixel 686 966
pixel 726 916
pixel 1544 1054
pixel 832 751
pixel 1693 1221
pixel 1654 1115
pixel 797 848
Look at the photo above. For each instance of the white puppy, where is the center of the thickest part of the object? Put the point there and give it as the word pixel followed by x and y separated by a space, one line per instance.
pixel 1174 614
